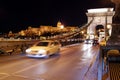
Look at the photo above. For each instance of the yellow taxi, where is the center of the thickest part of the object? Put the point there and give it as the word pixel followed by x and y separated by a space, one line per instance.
pixel 43 48
pixel 102 43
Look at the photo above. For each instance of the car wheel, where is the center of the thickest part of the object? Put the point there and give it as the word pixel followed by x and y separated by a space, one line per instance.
pixel 47 55
pixel 58 51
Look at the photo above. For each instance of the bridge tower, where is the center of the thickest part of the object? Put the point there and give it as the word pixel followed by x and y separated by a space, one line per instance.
pixel 101 24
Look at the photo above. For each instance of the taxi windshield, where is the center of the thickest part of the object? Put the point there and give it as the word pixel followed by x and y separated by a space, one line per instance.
pixel 42 44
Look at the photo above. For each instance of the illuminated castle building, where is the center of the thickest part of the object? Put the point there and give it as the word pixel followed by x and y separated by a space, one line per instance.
pixel 43 28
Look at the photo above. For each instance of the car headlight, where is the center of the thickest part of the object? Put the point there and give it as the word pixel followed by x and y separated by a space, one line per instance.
pixel 42 51
pixel 28 50
pixel 90 41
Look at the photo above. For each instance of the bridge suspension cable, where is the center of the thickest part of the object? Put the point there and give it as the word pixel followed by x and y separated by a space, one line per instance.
pixel 86 25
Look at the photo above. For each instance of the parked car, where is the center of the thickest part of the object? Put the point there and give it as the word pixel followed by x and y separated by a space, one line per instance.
pixel 43 48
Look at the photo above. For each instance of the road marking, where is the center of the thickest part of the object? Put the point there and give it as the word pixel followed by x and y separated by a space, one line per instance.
pixel 27 77
pixel 32 66
pixel 4 75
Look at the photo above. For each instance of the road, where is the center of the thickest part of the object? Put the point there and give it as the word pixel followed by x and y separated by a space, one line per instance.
pixel 75 62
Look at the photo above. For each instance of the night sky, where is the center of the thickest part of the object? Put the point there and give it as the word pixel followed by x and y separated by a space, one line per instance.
pixel 18 15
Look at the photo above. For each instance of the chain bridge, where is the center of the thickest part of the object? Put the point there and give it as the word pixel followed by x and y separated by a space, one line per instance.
pixel 99 23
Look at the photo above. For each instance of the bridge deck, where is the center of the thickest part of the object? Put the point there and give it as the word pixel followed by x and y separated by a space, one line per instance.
pixel 114 70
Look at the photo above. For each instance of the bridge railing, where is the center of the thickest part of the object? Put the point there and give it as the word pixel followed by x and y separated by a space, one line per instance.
pixel 13 47
pixel 108 55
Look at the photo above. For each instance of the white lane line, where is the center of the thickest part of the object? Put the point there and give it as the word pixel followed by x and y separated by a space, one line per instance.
pixel 32 66
pixel 4 75
pixel 27 77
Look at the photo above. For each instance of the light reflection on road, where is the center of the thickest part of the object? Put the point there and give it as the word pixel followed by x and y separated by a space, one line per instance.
pixel 86 46
pixel 88 54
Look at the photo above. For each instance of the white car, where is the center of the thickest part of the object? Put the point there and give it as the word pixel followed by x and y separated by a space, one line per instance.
pixel 43 48
pixel 88 41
